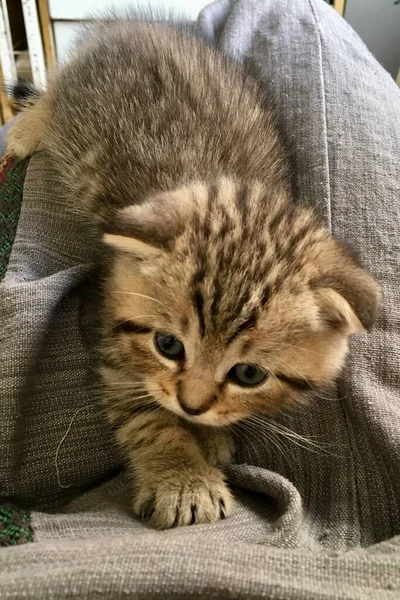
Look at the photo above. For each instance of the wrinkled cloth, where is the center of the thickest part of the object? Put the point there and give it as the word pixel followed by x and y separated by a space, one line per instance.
pixel 314 520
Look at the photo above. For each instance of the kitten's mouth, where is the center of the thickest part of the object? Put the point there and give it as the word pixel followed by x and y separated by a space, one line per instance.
pixel 207 418
pixel 211 417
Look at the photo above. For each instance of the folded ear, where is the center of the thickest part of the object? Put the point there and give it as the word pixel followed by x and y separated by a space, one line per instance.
pixel 348 296
pixel 149 229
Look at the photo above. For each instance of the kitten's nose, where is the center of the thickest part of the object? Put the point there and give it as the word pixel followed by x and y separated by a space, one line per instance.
pixel 194 397
pixel 193 411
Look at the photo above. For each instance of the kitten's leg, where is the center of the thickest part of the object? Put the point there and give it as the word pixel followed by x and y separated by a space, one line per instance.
pixel 174 483
pixel 26 134
pixel 216 443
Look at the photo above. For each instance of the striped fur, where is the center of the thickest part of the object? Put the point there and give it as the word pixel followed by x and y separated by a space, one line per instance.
pixel 172 152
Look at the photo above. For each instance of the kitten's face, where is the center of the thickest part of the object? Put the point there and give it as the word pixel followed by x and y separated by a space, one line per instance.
pixel 236 312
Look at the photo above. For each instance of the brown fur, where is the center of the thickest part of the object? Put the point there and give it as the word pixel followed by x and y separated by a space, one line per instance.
pixel 173 151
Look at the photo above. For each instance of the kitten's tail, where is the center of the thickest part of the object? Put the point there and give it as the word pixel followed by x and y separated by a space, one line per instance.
pixel 27 132
pixel 22 95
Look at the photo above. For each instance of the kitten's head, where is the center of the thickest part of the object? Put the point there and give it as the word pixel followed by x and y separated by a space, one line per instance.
pixel 228 302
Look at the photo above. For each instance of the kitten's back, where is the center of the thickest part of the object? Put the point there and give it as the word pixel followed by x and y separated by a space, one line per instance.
pixel 144 107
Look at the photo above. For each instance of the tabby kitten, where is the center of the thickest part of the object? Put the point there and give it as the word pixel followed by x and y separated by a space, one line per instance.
pixel 223 297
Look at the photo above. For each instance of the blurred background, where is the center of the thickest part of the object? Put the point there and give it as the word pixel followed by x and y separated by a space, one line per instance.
pixel 36 34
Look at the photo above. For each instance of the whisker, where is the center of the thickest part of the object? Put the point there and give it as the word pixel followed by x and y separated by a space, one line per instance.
pixel 256 431
pixel 132 318
pixel 149 409
pixel 295 438
pixel 301 442
pixel 131 400
pixel 270 437
pixel 313 389
pixel 127 384
pixel 129 388
pixel 265 421
pixel 280 345
pixel 140 296
pixel 277 379
pixel 246 433
pixel 290 432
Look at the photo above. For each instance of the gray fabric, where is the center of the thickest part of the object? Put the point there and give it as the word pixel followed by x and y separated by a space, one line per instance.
pixel 308 525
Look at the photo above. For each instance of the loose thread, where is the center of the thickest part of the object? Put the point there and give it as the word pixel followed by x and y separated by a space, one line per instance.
pixel 64 437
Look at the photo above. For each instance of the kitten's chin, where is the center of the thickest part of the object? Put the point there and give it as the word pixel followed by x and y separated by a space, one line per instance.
pixel 211 419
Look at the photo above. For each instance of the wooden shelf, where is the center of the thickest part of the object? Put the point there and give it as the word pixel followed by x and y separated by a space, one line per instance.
pixel 340 6
pixel 25 29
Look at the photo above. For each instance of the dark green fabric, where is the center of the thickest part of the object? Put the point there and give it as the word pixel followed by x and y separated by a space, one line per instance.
pixel 12 177
pixel 15 526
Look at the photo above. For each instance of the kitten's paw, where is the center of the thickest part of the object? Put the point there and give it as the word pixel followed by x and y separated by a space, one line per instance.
pixel 184 499
pixel 23 139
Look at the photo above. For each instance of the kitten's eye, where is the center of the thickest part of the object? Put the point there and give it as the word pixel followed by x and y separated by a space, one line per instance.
pixel 169 346
pixel 247 375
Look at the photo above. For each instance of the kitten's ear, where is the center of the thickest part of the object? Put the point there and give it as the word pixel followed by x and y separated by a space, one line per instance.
pixel 149 229
pixel 348 296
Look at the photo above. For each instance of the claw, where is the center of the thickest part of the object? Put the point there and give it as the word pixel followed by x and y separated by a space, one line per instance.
pixel 176 520
pixel 147 510
pixel 193 514
pixel 222 510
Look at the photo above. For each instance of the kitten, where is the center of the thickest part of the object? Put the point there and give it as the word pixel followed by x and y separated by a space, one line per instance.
pixel 223 297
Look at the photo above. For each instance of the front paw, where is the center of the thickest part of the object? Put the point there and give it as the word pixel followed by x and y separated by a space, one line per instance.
pixel 183 498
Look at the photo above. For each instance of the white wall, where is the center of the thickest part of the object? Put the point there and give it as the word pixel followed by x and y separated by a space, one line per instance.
pixel 79 9
pixel 66 15
pixel 377 22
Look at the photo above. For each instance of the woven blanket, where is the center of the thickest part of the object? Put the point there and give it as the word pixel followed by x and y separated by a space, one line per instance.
pixel 313 521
